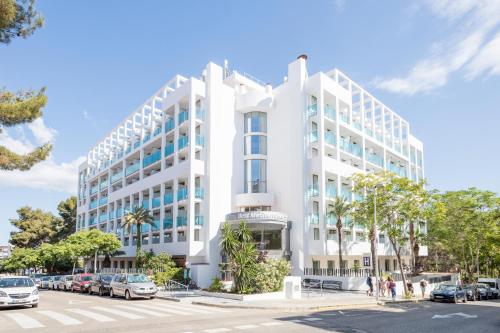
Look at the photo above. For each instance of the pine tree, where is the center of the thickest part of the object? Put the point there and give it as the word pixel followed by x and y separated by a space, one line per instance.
pixel 18 18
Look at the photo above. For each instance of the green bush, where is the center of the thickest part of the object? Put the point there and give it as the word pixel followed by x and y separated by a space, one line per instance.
pixel 270 275
pixel 216 286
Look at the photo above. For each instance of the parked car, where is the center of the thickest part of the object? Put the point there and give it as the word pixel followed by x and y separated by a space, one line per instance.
pixel 100 284
pixel 132 286
pixel 65 282
pixel 448 292
pixel 331 284
pixel 494 285
pixel 485 291
pixel 53 281
pixel 44 282
pixel 37 278
pixel 311 283
pixel 471 291
pixel 81 282
pixel 18 290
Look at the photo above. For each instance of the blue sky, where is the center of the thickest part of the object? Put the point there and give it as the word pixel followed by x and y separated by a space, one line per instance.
pixel 437 63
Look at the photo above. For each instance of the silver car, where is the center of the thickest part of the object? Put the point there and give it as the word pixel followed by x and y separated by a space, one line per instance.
pixel 65 283
pixel 44 282
pixel 132 286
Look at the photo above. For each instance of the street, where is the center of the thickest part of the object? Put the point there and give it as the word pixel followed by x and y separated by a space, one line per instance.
pixel 68 312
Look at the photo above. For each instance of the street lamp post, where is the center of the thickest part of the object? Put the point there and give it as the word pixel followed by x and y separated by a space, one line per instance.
pixel 376 243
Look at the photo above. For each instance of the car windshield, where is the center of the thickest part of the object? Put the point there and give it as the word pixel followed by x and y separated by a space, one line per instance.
pixel 446 288
pixel 107 278
pixel 491 284
pixel 57 278
pixel 69 278
pixel 137 278
pixel 482 285
pixel 87 278
pixel 16 283
pixel 45 278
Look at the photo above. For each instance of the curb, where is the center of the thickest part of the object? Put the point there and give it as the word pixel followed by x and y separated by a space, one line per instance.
pixel 289 309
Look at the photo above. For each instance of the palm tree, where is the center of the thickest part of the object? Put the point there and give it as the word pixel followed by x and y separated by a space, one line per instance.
pixel 138 217
pixel 340 208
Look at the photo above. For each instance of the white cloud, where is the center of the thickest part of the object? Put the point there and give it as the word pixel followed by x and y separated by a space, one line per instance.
pixel 42 133
pixel 469 49
pixel 46 175
pixel 86 115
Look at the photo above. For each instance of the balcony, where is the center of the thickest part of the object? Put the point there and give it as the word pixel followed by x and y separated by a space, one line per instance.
pixel 103 185
pixel 200 114
pixel 344 117
pixel 146 138
pixel 198 220
pixel 169 125
pixel 358 197
pixel 145 203
pixel 132 168
pixel 93 204
pixel 313 190
pixel 119 212
pixel 331 192
pixel 157 131
pixel 331 220
pixel 137 144
pixel 156 202
pixel 103 217
pixel 398 170
pixel 92 220
pixel 156 225
pixel 200 140
pixel 368 131
pixel 183 116
pixel 313 218
pixel 199 193
pixel 168 223
pixel 111 214
pixel 129 149
pixel 351 148
pixel 312 110
pixel 145 227
pixel 168 198
pixel 181 221
pixel 313 136
pixel 169 149
pixel 116 177
pixel 375 159
pixel 154 157
pixel 346 193
pixel 330 138
pixel 182 142
pixel 330 112
pixel 93 189
pixel 103 201
pixel 182 193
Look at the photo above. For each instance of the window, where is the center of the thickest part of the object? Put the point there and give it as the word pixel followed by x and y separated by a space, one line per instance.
pixel 156 239
pixel 345 264
pixel 330 264
pixel 356 263
pixel 256 144
pixel 332 234
pixel 272 239
pixel 181 236
pixel 196 235
pixel 316 264
pixel 316 233
pixel 381 239
pixel 126 241
pixel 255 122
pixel 255 176
pixel 347 236
pixel 167 237
pixel 145 240
pixel 360 236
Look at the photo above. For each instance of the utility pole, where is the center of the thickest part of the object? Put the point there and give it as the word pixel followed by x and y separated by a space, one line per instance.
pixel 376 243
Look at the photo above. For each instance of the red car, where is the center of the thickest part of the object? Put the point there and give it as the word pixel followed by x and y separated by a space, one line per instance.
pixel 81 282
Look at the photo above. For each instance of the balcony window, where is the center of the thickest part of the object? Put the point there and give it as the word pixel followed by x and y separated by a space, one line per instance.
pixel 330 112
pixel 156 202
pixel 168 223
pixel 256 144
pixel 182 193
pixel 167 237
pixel 155 239
pixel 132 168
pixel 169 125
pixel 255 122
pixel 200 113
pixel 332 234
pixel 200 140
pixel 182 142
pixel 198 220
pixel 157 131
pixel 255 176
pixel 330 138
pixel 168 198
pixel 181 236
pixel 199 193
pixel 181 221
pixel 169 149
pixel 183 116
pixel 154 157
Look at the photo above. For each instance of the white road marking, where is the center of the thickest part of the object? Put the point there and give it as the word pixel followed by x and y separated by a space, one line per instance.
pixel 272 323
pixel 24 321
pixel 217 330
pixel 187 308
pixel 123 314
pixel 60 317
pixel 164 309
pixel 246 327
pixel 313 319
pixel 93 315
pixel 148 312
pixel 216 309
pixel 459 314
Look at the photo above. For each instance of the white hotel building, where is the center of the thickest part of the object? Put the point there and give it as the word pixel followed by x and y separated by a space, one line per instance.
pixel 225 147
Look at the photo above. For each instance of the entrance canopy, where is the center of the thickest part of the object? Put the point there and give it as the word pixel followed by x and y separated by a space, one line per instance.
pixel 262 220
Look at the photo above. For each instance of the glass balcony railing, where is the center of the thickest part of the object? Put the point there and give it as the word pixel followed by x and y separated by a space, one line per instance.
pixel 128 150
pixel 103 217
pixel 169 149
pixel 313 136
pixel 181 221
pixel 119 212
pixel 157 131
pixel 93 189
pixel 183 142
pixel 126 210
pixel 145 228
pixel 116 177
pixel 331 220
pixel 137 144
pixel 103 185
pixel 145 203
pixel 154 157
pixel 156 202
pixel 146 138
pixel 398 170
pixel 350 147
pixel 168 198
pixel 183 116
pixel 368 131
pixel 132 168
pixel 168 223
pixel 103 201
pixel 375 159
pixel 199 193
pixel 356 125
pixel 358 197
pixel 92 220
pixel 198 220
pixel 331 192
pixel 346 193
pixel 200 140
pixel 200 114
pixel 156 225
pixel 93 204
pixel 330 138
pixel 314 218
pixel 312 110
pixel 330 112
pixel 169 125
pixel 111 214
pixel 313 190
pixel 182 193
pixel 344 117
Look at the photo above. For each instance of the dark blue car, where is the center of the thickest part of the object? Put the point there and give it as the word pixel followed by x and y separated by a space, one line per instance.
pixel 450 293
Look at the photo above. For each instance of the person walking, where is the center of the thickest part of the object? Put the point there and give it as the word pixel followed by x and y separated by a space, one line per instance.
pixel 423 286
pixel 369 282
pixel 392 287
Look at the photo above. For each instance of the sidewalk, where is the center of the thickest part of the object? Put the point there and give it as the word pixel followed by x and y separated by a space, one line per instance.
pixel 313 300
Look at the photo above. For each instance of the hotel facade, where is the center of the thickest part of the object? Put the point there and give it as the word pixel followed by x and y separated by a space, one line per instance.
pixel 225 147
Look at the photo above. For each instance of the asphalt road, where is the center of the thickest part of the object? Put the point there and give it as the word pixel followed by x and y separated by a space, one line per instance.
pixel 66 312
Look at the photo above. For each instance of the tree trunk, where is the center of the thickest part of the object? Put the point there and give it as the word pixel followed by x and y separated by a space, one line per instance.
pixel 398 256
pixel 339 237
pixel 74 264
pixel 138 242
pixel 412 246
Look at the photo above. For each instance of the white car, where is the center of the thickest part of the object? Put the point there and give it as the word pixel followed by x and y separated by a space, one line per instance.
pixel 18 290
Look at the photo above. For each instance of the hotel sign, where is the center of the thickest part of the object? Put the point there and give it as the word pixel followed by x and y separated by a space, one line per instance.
pixel 257 216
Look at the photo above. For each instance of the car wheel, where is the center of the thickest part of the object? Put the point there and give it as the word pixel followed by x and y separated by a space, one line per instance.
pixel 111 294
pixel 101 292
pixel 34 305
pixel 127 295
